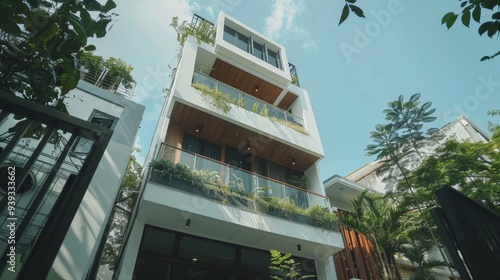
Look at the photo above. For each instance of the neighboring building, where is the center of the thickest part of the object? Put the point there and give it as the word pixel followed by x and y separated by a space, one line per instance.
pixel 356 261
pixel 258 149
pixel 105 106
pixel 461 129
pixel 359 259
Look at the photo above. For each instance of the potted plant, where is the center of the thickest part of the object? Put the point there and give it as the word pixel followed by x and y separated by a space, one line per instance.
pixel 302 182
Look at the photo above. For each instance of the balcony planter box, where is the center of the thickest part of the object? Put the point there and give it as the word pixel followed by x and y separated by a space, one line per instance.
pixel 176 183
pixel 241 202
pixel 299 218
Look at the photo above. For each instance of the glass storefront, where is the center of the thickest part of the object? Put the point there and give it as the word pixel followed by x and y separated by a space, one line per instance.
pixel 169 255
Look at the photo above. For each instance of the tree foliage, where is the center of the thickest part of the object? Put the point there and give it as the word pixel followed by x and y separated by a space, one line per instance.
pixel 40 42
pixel 203 32
pixel 471 10
pixel 385 224
pixel 286 266
pixel 124 204
pixel 472 168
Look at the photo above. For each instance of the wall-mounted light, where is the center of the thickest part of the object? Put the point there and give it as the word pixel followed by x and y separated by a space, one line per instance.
pixel 299 248
pixel 188 222
pixel 256 88
pixel 199 128
pixel 293 161
pixel 248 146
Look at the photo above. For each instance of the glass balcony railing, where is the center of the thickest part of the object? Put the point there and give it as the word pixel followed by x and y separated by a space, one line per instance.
pixel 241 181
pixel 248 101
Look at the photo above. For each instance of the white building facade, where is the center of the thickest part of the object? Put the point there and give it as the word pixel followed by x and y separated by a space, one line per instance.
pixel 81 243
pixel 260 144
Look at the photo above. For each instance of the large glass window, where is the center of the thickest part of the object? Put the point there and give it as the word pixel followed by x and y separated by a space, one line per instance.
pixel 258 50
pixel 199 146
pixel 235 38
pixel 196 258
pixel 158 241
pixel 206 251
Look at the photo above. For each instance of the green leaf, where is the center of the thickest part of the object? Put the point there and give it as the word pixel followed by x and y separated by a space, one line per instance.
pixel 484 27
pixel 100 27
pixel 351 1
pixel 496 15
pixel 451 21
pixel 110 5
pixel 357 11
pixel 463 4
pixel 492 29
pixel 48 32
pixel 68 82
pixel 345 14
pixel 415 97
pixel 476 13
pixel 447 17
pixel 90 48
pixel 466 18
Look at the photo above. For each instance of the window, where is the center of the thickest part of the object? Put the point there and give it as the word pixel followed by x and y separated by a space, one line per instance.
pixel 199 146
pixel 273 58
pixel 235 38
pixel 83 145
pixel 258 50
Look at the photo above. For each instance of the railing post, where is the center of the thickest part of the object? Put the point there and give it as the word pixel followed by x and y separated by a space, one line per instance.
pixel 195 158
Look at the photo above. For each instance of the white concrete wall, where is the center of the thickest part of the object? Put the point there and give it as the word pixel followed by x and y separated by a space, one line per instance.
pixel 80 244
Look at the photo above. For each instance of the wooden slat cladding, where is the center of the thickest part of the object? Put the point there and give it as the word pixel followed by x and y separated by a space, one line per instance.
pixel 222 132
pixel 237 78
pixel 287 101
pixel 358 259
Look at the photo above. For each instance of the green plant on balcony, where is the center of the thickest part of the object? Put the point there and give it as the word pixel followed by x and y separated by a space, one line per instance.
pixel 289 208
pixel 177 170
pixel 264 112
pixel 118 70
pixel 290 125
pixel 240 103
pixel 322 217
pixel 302 182
pixel 255 107
pixel 220 100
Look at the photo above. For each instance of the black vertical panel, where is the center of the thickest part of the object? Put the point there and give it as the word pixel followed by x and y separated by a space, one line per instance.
pixel 474 229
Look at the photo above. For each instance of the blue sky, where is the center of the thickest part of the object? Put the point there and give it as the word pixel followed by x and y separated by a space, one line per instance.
pixel 351 71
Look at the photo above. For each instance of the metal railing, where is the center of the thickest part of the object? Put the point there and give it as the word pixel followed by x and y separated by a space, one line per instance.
pixel 99 78
pixel 293 74
pixel 246 100
pixel 242 181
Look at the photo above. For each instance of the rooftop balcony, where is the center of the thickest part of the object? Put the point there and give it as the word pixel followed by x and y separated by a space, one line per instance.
pixel 100 78
pixel 249 102
pixel 227 184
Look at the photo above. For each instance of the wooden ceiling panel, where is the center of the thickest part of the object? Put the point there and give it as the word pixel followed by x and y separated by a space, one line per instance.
pixel 219 131
pixel 237 78
pixel 287 101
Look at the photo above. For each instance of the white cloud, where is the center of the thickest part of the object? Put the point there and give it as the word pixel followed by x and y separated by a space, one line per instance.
pixel 210 10
pixel 281 21
pixel 309 45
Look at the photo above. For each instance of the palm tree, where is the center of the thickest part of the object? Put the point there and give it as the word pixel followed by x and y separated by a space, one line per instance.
pixel 417 253
pixel 385 225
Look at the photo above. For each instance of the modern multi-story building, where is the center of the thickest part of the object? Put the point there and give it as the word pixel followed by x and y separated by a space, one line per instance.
pixel 52 163
pixel 241 133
